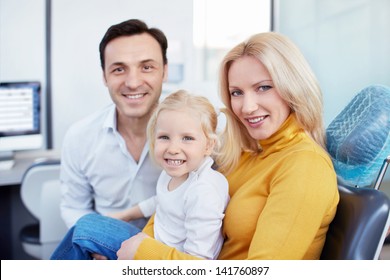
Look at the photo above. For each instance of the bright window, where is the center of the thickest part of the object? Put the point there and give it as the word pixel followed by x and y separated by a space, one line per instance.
pixel 219 25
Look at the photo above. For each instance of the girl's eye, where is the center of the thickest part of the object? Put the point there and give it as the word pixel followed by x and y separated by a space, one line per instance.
pixel 188 138
pixel 163 137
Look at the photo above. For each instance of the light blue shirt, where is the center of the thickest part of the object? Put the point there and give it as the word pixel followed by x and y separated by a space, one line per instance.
pixel 98 174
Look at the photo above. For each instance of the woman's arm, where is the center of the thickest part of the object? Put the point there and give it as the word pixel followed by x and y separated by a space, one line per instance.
pixel 145 247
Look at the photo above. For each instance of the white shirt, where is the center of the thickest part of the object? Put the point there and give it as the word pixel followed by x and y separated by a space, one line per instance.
pixel 189 218
pixel 98 174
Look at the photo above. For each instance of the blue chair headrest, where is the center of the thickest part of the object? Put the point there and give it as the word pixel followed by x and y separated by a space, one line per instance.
pixel 358 139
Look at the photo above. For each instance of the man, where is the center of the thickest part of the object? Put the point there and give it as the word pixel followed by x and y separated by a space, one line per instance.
pixel 105 163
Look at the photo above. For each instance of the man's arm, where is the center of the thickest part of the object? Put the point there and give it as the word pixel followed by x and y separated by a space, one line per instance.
pixel 76 192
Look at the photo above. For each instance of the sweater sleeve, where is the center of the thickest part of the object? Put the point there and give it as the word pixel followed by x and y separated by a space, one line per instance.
pixel 149 227
pixel 151 249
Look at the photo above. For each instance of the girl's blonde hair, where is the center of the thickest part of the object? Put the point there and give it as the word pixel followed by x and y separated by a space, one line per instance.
pixel 292 78
pixel 193 104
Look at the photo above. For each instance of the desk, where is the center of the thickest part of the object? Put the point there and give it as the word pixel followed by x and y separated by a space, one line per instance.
pixel 13 214
pixel 23 160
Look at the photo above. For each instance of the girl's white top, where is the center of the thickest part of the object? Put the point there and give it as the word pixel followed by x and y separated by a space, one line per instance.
pixel 189 218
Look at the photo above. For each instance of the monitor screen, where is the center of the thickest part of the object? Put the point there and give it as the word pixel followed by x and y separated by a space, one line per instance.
pixel 20 116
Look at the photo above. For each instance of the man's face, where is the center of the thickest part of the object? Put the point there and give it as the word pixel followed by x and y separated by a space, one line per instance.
pixel 134 72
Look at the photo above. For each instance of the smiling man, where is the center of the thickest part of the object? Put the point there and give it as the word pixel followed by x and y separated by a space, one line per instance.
pixel 105 163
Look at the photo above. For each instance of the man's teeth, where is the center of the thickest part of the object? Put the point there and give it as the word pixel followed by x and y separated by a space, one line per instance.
pixel 134 96
pixel 255 120
pixel 175 162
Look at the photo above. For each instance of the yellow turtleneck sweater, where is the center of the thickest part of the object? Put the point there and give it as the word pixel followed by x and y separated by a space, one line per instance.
pixel 281 202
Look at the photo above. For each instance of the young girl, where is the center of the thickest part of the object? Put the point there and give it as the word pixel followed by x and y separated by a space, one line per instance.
pixel 191 196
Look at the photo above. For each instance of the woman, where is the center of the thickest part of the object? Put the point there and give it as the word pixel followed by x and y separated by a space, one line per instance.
pixel 282 185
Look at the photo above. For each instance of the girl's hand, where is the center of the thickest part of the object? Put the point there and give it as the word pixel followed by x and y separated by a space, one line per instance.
pixel 127 215
pixel 118 215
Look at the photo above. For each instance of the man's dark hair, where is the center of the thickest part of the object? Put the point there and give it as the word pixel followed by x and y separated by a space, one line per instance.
pixel 129 28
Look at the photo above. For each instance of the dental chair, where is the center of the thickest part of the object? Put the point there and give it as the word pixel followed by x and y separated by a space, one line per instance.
pixel 358 141
pixel 360 226
pixel 41 195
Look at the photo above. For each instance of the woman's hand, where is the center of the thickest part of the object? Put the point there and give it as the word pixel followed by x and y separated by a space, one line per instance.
pixel 130 246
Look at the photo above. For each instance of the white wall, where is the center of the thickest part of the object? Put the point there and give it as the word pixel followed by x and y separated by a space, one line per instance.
pixel 347 43
pixel 22 39
pixel 22 42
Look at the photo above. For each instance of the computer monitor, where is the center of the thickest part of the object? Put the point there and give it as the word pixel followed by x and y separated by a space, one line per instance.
pixel 20 118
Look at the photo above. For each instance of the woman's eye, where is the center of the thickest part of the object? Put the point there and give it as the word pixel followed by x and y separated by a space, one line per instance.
pixel 264 88
pixel 235 93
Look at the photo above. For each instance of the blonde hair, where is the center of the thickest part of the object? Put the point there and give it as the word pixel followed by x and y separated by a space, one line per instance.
pixel 197 105
pixel 292 78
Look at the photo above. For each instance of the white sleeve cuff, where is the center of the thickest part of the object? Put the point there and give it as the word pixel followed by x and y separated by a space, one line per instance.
pixel 148 206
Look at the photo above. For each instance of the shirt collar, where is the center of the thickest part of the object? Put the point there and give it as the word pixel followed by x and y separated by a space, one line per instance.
pixel 207 163
pixel 110 120
pixel 283 137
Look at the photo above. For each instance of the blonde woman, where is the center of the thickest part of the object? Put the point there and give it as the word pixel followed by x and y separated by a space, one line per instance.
pixel 282 184
pixel 191 196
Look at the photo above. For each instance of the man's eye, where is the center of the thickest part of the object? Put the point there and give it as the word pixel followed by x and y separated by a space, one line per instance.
pixel 118 70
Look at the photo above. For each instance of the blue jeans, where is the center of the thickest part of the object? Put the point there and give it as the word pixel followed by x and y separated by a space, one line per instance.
pixel 94 233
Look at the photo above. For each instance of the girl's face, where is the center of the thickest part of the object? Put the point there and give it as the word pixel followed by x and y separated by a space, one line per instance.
pixel 254 99
pixel 180 144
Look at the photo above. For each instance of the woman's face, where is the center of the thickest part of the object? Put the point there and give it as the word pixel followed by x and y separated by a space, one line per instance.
pixel 254 99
